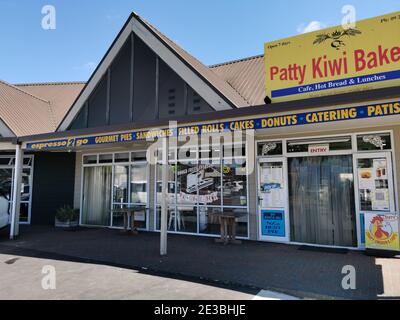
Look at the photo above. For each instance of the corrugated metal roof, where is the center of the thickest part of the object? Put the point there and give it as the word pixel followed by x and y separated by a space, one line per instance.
pixel 247 76
pixel 220 84
pixel 60 95
pixel 23 112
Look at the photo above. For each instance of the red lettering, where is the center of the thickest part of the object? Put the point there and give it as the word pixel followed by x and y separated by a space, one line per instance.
pixel 316 68
pixel 359 57
pixel 383 57
pixel 274 71
pixel 395 54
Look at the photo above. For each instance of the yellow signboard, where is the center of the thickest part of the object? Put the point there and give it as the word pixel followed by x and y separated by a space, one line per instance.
pixel 382 231
pixel 335 60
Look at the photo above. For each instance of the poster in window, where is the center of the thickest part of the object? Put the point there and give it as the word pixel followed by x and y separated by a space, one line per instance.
pixel 382 231
pixel 374 185
pixel 366 179
pixel 272 186
pixel 273 223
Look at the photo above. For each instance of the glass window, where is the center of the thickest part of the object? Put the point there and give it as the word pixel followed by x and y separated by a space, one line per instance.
pixel 373 142
pixel 121 157
pixel 121 184
pixel 235 183
pixel 106 158
pixel 197 191
pixel 186 219
pixel 333 144
pixel 171 219
pixel 28 161
pixel 236 150
pixel 208 221
pixel 171 184
pixel 24 212
pixel 270 149
pixel 139 184
pixel 5 161
pixel 5 190
pixel 97 196
pixel 139 156
pixel 209 183
pixel 187 182
pixel 90 159
pixel 210 152
pixel 26 185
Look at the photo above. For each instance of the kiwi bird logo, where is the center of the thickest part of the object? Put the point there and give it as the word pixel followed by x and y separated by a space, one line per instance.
pixel 337 37
pixel 379 230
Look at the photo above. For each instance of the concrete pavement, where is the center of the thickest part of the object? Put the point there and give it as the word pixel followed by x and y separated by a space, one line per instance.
pixel 253 265
pixel 22 277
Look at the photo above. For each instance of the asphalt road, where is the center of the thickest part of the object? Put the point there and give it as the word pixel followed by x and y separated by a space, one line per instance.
pixel 23 278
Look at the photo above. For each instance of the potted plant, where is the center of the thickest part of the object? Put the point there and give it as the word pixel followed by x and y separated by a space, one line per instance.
pixel 67 217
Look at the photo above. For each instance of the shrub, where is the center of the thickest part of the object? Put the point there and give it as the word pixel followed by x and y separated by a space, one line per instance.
pixel 66 213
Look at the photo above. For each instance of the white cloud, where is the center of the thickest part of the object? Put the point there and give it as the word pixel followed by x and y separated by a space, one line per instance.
pixel 312 26
pixel 111 18
pixel 88 66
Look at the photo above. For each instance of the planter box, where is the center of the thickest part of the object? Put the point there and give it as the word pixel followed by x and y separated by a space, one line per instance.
pixel 66 224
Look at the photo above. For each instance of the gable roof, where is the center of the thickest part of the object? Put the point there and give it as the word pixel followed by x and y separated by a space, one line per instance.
pixel 24 113
pixel 217 92
pixel 227 89
pixel 27 109
pixel 247 76
pixel 60 95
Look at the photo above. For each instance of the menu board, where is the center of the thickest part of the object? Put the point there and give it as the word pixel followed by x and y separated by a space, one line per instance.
pixel 373 185
pixel 272 185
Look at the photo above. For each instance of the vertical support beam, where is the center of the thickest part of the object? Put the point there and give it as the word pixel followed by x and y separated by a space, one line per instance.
pixel 87 114
pixel 157 99
pixel 132 77
pixel 16 192
pixel 108 110
pixel 186 98
pixel 165 199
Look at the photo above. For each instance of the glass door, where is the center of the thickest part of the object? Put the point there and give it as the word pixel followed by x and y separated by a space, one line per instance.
pixel 375 187
pixel 273 199
pixel 6 176
pixel 97 196
pixel 321 197
pixel 138 193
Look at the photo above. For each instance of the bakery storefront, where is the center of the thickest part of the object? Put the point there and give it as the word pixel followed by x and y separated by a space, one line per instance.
pixel 313 182
pixel 316 190
pixel 307 155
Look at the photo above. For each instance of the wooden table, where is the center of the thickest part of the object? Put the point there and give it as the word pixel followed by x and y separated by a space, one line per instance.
pixel 129 212
pixel 227 221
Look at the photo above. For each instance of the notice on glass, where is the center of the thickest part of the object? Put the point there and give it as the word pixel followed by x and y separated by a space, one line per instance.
pixel 374 183
pixel 380 199
pixel 272 188
pixel 366 179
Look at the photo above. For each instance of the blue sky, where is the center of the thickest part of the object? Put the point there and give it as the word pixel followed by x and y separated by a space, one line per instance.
pixel 212 30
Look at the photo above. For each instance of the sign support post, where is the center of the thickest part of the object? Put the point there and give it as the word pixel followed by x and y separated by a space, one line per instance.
pixel 16 192
pixel 164 203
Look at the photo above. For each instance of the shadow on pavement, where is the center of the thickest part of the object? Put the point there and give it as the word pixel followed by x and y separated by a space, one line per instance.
pixel 246 268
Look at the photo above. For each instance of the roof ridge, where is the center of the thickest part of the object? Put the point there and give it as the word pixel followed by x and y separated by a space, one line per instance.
pixel 49 83
pixel 244 98
pixel 156 30
pixel 235 61
pixel 24 92
pixel 52 116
